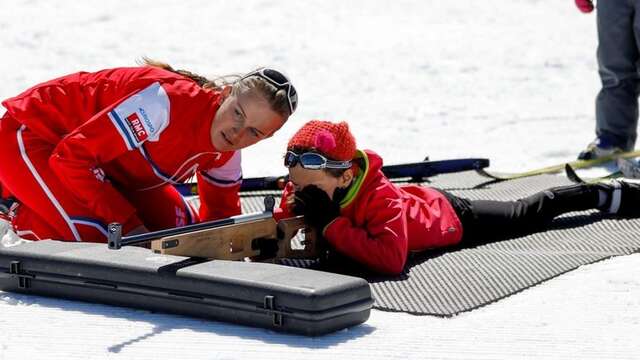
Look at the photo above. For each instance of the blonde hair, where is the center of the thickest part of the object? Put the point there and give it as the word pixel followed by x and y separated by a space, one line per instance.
pixel 277 99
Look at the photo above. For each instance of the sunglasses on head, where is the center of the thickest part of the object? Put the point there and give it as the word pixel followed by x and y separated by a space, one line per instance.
pixel 281 82
pixel 313 161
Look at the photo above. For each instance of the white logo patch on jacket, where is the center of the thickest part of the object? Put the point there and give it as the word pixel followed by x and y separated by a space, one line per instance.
pixel 142 116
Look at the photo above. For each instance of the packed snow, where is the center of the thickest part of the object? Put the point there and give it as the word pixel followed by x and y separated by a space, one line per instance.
pixel 513 81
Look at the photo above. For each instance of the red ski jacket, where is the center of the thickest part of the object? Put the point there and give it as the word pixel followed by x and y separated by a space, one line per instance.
pixel 381 222
pixel 130 129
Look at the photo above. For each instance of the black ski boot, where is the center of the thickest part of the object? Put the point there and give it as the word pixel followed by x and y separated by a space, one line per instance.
pixel 613 197
pixel 624 199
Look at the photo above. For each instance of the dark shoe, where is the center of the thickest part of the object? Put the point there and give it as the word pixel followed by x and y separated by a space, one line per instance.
pixel 5 205
pixel 598 148
pixel 3 208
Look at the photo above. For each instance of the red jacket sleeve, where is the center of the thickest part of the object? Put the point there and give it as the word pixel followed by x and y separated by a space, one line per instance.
pixel 381 243
pixel 219 190
pixel 122 127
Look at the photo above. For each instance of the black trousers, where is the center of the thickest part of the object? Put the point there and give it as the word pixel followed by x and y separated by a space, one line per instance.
pixel 489 220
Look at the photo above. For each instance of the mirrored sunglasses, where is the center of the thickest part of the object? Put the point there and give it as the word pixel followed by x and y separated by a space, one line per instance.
pixel 313 161
pixel 281 82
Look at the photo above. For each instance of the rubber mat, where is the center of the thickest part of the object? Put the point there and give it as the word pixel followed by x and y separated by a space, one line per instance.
pixel 448 281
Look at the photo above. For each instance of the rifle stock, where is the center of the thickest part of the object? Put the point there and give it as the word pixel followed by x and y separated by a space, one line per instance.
pixel 240 241
pixel 287 230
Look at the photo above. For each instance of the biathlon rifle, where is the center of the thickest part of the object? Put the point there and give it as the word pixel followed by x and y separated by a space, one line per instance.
pixel 257 236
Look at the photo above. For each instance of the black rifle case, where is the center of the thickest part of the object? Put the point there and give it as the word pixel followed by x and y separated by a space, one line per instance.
pixel 266 295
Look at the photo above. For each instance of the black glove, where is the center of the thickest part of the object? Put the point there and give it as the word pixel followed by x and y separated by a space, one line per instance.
pixel 316 206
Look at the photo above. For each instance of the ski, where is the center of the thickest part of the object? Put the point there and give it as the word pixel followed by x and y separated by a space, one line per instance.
pixel 414 172
pixel 577 164
pixel 627 169
pixel 574 177
pixel 419 171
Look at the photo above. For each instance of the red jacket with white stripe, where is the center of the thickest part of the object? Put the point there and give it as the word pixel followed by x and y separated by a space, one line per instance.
pixel 130 129
pixel 381 222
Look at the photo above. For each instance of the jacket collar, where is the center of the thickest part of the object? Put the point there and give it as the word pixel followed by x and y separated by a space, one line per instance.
pixel 370 162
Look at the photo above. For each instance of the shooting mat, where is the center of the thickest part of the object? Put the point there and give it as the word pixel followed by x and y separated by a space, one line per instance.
pixel 445 282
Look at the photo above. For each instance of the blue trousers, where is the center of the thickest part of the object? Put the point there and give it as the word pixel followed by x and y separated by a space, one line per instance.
pixel 618 62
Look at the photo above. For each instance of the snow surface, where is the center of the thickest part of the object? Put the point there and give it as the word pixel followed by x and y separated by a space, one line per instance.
pixel 511 80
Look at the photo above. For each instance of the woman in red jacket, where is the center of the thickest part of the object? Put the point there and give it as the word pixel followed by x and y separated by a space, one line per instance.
pixel 87 149
pixel 343 193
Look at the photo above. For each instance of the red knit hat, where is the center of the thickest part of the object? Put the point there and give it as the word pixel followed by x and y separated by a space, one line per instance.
pixel 330 139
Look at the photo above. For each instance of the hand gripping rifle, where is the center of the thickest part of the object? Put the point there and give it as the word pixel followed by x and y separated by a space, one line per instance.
pixel 257 236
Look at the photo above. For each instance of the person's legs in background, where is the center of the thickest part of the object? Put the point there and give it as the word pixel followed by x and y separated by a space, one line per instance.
pixel 617 101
